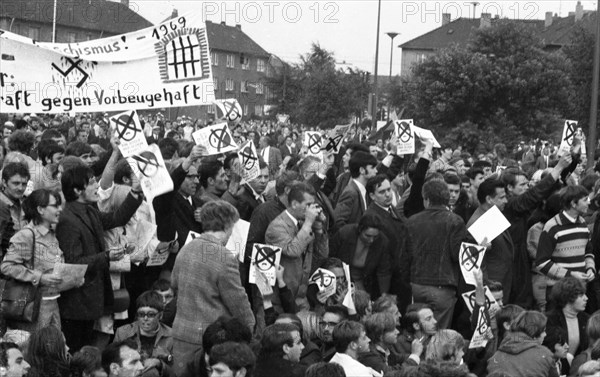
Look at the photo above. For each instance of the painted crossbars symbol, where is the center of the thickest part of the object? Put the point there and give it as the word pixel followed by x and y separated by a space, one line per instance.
pixel 126 123
pixel 232 112
pixel 571 131
pixel 248 158
pixel 74 66
pixel 333 143
pixel 147 163
pixel 184 62
pixel 471 298
pixel 470 257
pixel 404 129
pixel 322 279
pixel 483 325
pixel 314 143
pixel 265 258
pixel 219 138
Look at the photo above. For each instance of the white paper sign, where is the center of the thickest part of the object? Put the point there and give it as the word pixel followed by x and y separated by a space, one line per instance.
pixel 282 118
pixel 263 284
pixel 325 281
pixel 349 300
pixel 157 257
pixel 568 136
pixel 403 131
pixel 490 302
pixel 239 237
pixel 71 274
pixel 249 161
pixel 470 258
pixel 150 169
pixel 334 138
pixel 265 259
pixel 483 331
pixel 489 226
pixel 216 138
pixel 313 142
pixel 426 135
pixel 229 110
pixel 166 65
pixel 191 236
pixel 128 129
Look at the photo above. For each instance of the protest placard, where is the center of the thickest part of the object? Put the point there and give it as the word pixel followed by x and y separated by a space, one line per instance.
pixel 403 132
pixel 470 258
pixel 166 65
pixel 490 302
pixel 489 226
pixel 216 138
pixel 249 161
pixel 229 110
pixel 263 284
pixel 325 281
pixel 483 331
pixel 424 134
pixel 348 299
pixel 127 127
pixel 152 172
pixel 157 257
pixel 568 137
pixel 265 258
pixel 334 138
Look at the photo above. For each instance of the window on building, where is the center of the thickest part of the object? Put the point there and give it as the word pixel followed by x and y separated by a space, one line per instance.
pixel 229 85
pixel 259 88
pixel 230 61
pixel 244 86
pixel 71 37
pixel 260 65
pixel 258 110
pixel 34 33
pixel 88 37
pixel 211 109
pixel 216 83
pixel 214 58
pixel 245 62
pixel 267 93
pixel 246 109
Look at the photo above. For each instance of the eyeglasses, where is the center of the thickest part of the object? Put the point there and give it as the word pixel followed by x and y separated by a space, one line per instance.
pixel 325 325
pixel 150 315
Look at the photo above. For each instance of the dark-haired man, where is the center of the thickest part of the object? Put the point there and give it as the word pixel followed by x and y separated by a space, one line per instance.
pixel 12 219
pixel 121 359
pixel 281 347
pixel 213 179
pixel 12 362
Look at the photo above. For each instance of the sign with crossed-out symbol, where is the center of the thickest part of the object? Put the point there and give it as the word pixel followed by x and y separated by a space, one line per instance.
pixel 216 138
pixel 249 161
pixel 127 127
pixel 403 133
pixel 231 109
pixel 147 163
pixel 490 303
pixel 333 144
pixel 73 65
pixel 265 259
pixel 129 130
pixel 570 131
pixel 470 258
pixel 313 140
pixel 325 281
pixel 220 138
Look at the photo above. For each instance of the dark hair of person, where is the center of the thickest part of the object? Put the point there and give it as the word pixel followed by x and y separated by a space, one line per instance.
pixel 112 353
pixel 452 179
pixel 297 192
pixel 412 316
pixel 78 148
pixel 530 322
pixel 339 310
pixel 374 183
pixel 4 347
pixel 566 291
pixel 161 285
pixel 360 160
pixel 38 198
pixel 273 339
pixel 122 170
pixel 168 147
pixel 209 169
pixel 150 299
pixel 47 352
pixel 47 148
pixel 229 160
pixel 87 360
pixel 14 168
pixel 488 188
pixel 436 192
pixel 286 180
pixel 235 355
pixel 77 177
pixel 218 215
pixel 474 172
pixel 225 329
pixel 323 369
pixel 21 141
pixel 345 333
pixel 571 194
pixel 369 221
pixel 506 314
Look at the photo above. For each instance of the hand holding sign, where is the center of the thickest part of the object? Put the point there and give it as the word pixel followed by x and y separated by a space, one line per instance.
pixel 470 258
pixel 265 258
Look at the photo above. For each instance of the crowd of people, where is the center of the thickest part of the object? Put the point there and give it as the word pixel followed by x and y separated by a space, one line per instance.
pixel 388 227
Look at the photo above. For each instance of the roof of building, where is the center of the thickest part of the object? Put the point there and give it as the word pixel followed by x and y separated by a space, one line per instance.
pixel 232 38
pixel 108 16
pixel 559 33
pixel 458 32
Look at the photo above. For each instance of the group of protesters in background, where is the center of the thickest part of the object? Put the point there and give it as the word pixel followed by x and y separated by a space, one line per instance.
pixel 388 226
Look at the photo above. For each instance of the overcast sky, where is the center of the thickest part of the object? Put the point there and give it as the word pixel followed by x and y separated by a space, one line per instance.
pixel 348 27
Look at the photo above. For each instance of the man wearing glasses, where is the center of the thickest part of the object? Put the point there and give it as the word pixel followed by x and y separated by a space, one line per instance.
pixel 153 339
pixel 331 317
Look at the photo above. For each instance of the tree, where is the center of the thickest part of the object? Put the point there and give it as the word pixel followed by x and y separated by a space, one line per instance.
pixel 502 86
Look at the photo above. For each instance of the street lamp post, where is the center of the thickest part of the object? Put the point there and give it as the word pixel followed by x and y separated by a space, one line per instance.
pixel 592 142
pixel 374 109
pixel 392 35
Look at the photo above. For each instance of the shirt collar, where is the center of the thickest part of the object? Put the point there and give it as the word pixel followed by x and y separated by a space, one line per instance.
pixel 361 188
pixel 569 217
pixel 256 196
pixel 292 217
pixel 42 230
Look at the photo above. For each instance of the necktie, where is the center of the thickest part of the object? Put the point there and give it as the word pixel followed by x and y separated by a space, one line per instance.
pixel 392 213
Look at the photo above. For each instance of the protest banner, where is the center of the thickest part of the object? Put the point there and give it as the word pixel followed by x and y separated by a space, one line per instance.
pixel 568 137
pixel 325 281
pixel 489 226
pixel 483 331
pixel 313 142
pixel 334 138
pixel 403 132
pixel 470 258
pixel 265 259
pixel 167 65
pixel 249 161
pixel 216 138
pixel 150 169
pixel 490 302
pixel 129 130
pixel 229 110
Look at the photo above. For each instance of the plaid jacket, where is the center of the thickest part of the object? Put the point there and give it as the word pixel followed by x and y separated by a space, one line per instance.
pixel 207 280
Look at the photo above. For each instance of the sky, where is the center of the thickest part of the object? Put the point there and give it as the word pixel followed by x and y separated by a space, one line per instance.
pixel 348 28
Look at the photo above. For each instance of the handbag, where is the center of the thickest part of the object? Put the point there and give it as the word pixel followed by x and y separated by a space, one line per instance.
pixel 20 301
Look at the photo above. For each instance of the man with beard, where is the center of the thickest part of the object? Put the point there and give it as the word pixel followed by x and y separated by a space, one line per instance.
pixel 331 317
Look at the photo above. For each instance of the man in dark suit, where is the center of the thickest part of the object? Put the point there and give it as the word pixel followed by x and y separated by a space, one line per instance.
pixel 270 155
pixel 288 148
pixel 353 201
pixel 250 195
pixel 80 234
pixel 185 208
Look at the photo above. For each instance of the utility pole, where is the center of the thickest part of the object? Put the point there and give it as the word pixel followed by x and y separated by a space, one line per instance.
pixel 374 110
pixel 594 105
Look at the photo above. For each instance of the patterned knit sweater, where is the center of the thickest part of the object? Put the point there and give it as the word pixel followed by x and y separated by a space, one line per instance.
pixel 562 248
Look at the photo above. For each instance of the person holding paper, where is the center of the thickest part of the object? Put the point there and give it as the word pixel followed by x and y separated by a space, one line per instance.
pixel 42 209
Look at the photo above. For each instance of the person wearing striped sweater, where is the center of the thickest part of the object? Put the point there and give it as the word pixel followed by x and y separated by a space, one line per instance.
pixel 562 247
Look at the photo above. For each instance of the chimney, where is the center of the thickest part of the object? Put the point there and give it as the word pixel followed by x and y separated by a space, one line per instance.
pixel 445 18
pixel 485 21
pixel 578 11
pixel 174 13
pixel 238 26
pixel 125 2
pixel 549 18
